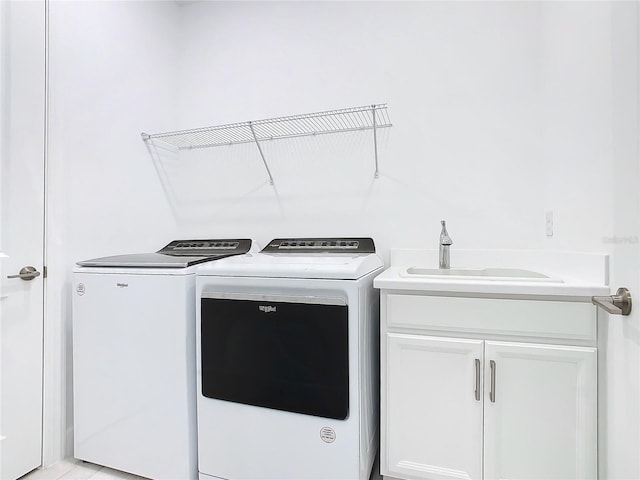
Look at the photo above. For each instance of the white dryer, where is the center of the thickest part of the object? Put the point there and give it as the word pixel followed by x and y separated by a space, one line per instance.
pixel 134 376
pixel 287 359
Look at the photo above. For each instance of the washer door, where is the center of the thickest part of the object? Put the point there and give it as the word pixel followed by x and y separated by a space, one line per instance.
pixel 285 353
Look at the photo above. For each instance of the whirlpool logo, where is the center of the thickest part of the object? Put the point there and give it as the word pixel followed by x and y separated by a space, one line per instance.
pixel 266 308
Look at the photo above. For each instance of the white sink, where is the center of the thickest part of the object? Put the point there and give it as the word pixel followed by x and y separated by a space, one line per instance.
pixel 481 274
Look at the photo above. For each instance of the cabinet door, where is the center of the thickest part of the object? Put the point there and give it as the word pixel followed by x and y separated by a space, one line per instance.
pixel 432 404
pixel 540 415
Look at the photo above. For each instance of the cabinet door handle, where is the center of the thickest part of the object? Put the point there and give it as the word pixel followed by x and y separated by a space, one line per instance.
pixel 477 390
pixel 492 391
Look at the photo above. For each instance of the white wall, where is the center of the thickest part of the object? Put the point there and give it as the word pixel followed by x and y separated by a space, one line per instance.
pixel 501 111
pixel 497 109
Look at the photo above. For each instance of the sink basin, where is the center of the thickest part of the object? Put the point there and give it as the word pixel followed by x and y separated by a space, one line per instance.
pixel 482 274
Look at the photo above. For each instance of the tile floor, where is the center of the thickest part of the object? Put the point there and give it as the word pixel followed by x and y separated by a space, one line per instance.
pixel 72 469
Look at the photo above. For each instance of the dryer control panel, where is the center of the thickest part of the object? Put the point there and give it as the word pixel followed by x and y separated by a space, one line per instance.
pixel 320 245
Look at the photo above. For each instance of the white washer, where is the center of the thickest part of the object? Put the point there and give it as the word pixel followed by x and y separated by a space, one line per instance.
pixel 287 359
pixel 134 358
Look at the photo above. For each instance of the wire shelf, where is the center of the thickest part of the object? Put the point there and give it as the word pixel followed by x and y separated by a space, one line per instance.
pixel 370 117
pixel 332 121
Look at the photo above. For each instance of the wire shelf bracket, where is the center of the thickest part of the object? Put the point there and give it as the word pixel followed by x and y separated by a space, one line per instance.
pixel 370 117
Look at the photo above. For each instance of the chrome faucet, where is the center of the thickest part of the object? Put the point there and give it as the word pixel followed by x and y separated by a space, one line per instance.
pixel 445 243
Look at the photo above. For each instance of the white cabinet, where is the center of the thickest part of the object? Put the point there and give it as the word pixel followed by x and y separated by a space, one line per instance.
pixel 460 402
pixel 433 420
pixel 540 418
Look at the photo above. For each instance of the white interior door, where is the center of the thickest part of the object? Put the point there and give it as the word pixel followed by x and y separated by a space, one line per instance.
pixel 619 338
pixel 22 123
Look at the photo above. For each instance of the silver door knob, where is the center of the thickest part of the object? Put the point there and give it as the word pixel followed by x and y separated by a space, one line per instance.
pixel 26 273
pixel 618 304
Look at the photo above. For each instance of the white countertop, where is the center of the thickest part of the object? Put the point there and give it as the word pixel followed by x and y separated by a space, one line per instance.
pixel 578 276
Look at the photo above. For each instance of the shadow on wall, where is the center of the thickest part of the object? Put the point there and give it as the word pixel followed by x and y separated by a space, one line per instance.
pixel 324 174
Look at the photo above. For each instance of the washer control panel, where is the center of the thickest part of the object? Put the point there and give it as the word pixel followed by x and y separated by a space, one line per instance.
pixel 206 247
pixel 320 245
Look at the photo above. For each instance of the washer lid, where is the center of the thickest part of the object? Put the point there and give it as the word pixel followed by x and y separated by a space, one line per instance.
pixel 177 254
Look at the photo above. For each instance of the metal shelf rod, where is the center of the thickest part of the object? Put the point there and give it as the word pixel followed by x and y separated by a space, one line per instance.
pixel 261 153
pixel 375 141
